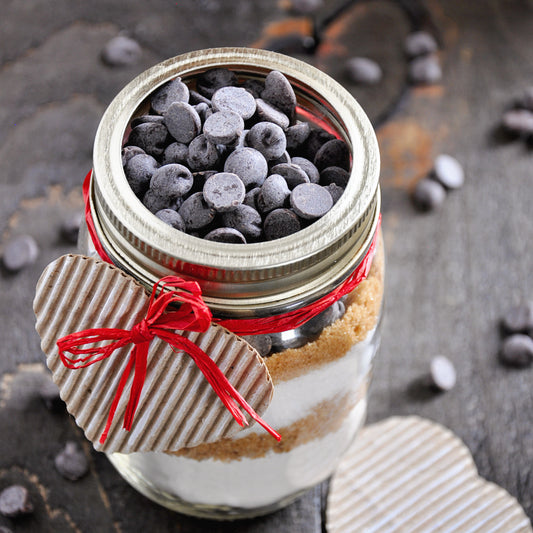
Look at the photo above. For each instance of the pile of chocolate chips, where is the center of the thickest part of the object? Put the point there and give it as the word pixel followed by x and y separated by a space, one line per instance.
pixel 228 161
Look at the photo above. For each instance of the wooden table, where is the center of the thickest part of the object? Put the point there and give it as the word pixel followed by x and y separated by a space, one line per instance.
pixel 450 273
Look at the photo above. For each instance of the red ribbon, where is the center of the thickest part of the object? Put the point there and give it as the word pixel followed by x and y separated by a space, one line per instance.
pixel 192 315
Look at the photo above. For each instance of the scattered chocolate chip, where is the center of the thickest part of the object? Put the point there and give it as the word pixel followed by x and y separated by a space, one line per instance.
pixel 71 462
pixel 121 51
pixel 363 71
pixel 150 136
pixel 448 172
pixel 425 70
pixel 223 127
pixel 517 351
pixel 428 194
pixel 519 319
pixel 262 343
pixel 420 43
pixel 19 252
pixel 234 99
pixel 70 227
pixel 334 153
pixel 224 191
pixel 183 122
pixel 172 91
pixel 268 139
pixel 49 393
pixel 518 121
pixel 249 164
pixel 442 373
pixel 172 218
pixel 281 223
pixel 15 501
pixel 311 201
pixel 213 79
pixel 227 235
pixel 196 213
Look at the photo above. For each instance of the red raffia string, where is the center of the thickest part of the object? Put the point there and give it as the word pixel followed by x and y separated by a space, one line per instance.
pixel 192 315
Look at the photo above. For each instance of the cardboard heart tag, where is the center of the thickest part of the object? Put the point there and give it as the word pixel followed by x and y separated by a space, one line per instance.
pixel 178 407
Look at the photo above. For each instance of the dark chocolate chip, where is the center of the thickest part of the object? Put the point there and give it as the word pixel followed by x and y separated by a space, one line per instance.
pixel 428 194
pixel 139 171
pixel 266 112
pixel 420 43
pixel 196 213
pixel 518 121
pixel 203 154
pixel 442 373
pixel 71 462
pixel 49 393
pixel 268 139
pixel 517 351
pixel 308 168
pixel 154 202
pixel 172 218
pixel 273 194
pixel 363 71
pixel 15 501
pixel 70 227
pixel 296 135
pixel 294 175
pixel 262 343
pixel 334 153
pixel 227 235
pixel 173 91
pixel 213 79
pixel 250 198
pixel 249 164
pixel 448 172
pixel 310 200
pixel 152 137
pixel 130 151
pixel 315 139
pixel 284 158
pixel 121 51
pixel 279 93
pixel 324 319
pixel 183 122
pixel 281 223
pixel 425 70
pixel 335 191
pixel 223 127
pixel 196 98
pixel 19 252
pixel 244 219
pixel 234 99
pixel 224 191
pixel 203 110
pixel 143 119
pixel 519 319
pixel 172 180
pixel 175 153
pixel 254 87
pixel 336 175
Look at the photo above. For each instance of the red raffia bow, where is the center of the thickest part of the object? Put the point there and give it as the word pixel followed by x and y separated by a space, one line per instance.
pixel 192 315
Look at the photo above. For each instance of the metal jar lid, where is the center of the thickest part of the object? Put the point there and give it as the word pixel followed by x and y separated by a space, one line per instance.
pixel 236 279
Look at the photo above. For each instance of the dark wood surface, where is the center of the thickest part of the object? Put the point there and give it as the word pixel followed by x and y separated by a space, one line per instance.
pixel 450 274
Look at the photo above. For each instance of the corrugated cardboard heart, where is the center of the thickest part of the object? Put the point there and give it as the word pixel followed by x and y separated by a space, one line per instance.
pixel 410 475
pixel 178 408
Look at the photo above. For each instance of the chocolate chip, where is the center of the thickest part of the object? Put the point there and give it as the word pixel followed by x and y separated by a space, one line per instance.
pixel 213 79
pixel 196 213
pixel 254 87
pixel 335 191
pixel 249 164
pixel 143 119
pixel 363 71
pixel 519 319
pixel 139 171
pixel 420 43
pixel 224 191
pixel 173 91
pixel 203 154
pixel 268 139
pixel 428 194
pixel 196 98
pixel 19 252
pixel 71 462
pixel 310 200
pixel 250 198
pixel 172 180
pixel 273 194
pixel 448 172
pixel 4 529
pixel 279 93
pixel 172 218
pixel 15 501
pixel 518 121
pixel 70 227
pixel 175 153
pixel 425 70
pixel 130 151
pixel 442 373
pixel 203 110
pixel 121 51
pixel 281 223
pixel 155 202
pixel 296 135
pixel 294 175
pixel 336 175
pixel 315 139
pixel 262 343
pixel 234 99
pixel 49 393
pixel 150 136
pixel 223 127
pixel 324 319
pixel 183 121
pixel 227 235
pixel 334 153
pixel 266 112
pixel 244 219
pixel 517 351
pixel 308 168
pixel 284 158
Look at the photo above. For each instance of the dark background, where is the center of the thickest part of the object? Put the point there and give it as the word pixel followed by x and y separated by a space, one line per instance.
pixel 451 274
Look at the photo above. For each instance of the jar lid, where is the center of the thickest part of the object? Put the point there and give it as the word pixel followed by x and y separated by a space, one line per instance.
pixel 282 273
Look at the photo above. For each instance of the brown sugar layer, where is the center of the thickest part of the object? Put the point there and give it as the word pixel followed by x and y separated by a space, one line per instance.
pixel 326 417
pixel 362 314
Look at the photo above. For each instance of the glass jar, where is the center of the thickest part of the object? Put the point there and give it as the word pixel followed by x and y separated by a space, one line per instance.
pixel 320 376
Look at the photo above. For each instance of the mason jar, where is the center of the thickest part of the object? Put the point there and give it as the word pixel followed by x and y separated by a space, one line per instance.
pixel 320 376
